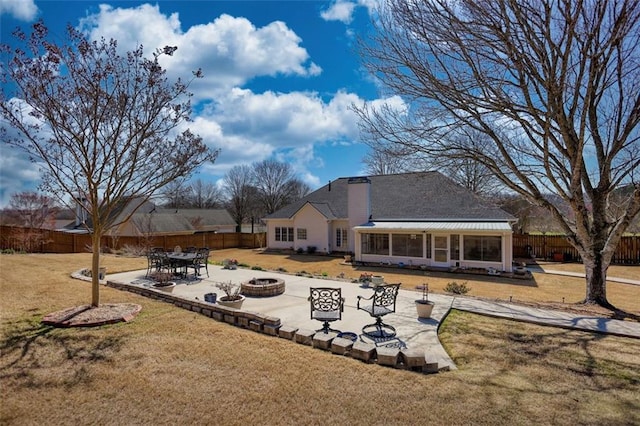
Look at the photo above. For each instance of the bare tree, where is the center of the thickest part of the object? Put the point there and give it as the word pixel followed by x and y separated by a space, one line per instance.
pixel 204 195
pixel 31 210
pixel 554 85
pixel 379 161
pixel 31 213
pixel 106 127
pixel 175 193
pixel 241 193
pixel 297 190
pixel 386 158
pixel 273 180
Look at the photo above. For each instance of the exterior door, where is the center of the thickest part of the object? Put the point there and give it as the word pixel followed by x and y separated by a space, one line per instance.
pixel 441 250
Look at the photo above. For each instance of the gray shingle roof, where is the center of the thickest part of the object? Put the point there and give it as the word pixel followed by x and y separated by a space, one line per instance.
pixel 161 223
pixel 403 197
pixel 207 217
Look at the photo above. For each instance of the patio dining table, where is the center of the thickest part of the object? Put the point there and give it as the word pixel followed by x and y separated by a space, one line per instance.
pixel 182 261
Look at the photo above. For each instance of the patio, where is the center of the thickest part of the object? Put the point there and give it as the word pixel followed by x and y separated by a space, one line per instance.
pixel 416 338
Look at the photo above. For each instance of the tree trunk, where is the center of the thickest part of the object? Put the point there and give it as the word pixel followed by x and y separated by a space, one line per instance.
pixel 95 270
pixel 596 280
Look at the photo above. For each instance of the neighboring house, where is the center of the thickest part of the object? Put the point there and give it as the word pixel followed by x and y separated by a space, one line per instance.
pixel 412 218
pixel 150 219
pixel 218 220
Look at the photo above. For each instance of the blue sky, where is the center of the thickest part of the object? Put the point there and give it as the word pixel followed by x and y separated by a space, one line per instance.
pixel 280 76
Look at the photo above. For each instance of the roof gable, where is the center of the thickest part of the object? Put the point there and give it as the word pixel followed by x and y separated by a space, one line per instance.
pixel 323 208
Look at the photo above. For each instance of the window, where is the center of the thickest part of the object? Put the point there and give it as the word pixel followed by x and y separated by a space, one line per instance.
pixel 284 234
pixel 406 245
pixel 487 249
pixel 455 247
pixel 375 244
pixel 341 237
pixel 302 233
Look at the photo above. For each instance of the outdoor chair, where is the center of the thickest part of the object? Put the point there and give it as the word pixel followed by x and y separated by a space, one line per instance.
pixel 190 249
pixel 152 262
pixel 200 261
pixel 327 305
pixel 157 261
pixel 383 302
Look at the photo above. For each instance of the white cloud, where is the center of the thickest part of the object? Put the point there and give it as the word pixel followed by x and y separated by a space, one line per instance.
pixel 340 10
pixel 394 103
pixel 251 127
pixel 23 10
pixel 17 174
pixel 229 50
pixel 285 119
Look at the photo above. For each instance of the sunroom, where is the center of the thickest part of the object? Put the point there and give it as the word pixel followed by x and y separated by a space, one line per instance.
pixel 436 244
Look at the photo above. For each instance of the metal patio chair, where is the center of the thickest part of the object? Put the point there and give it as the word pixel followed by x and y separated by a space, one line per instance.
pixel 327 306
pixel 383 302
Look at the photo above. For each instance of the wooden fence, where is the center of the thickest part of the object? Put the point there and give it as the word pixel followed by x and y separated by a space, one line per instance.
pixel 556 247
pixel 548 247
pixel 47 241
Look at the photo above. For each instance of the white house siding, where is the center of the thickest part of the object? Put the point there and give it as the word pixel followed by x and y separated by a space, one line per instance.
pixel 317 227
pixel 271 233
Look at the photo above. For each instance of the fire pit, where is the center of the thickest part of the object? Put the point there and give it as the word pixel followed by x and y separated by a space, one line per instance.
pixel 263 287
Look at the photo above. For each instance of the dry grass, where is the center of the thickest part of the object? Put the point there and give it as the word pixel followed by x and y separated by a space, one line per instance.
pixel 171 366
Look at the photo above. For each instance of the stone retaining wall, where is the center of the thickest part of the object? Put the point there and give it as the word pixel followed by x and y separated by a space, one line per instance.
pixel 409 359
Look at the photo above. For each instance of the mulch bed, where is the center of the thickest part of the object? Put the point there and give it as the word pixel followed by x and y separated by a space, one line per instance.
pixel 90 316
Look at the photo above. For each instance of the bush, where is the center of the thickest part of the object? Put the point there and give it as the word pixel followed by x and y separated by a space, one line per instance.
pixel 130 250
pixel 257 268
pixel 455 288
pixel 311 249
pixel 300 250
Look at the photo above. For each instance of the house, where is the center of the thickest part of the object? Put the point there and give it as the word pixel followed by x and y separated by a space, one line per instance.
pixel 150 219
pixel 421 218
pixel 218 220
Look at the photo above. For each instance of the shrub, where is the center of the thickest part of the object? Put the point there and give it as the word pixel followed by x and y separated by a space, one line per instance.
pixel 257 268
pixel 311 249
pixel 231 290
pixel 130 250
pixel 300 250
pixel 455 288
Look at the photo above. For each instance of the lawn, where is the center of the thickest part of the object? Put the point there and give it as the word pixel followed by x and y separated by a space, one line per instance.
pixel 171 366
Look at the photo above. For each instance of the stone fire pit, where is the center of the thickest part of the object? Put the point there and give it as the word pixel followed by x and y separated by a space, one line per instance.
pixel 263 287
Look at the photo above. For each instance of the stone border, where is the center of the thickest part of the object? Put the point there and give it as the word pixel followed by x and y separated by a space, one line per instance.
pixel 90 316
pixel 407 359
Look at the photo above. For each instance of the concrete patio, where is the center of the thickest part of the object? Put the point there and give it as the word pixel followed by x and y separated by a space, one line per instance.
pixel 414 335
